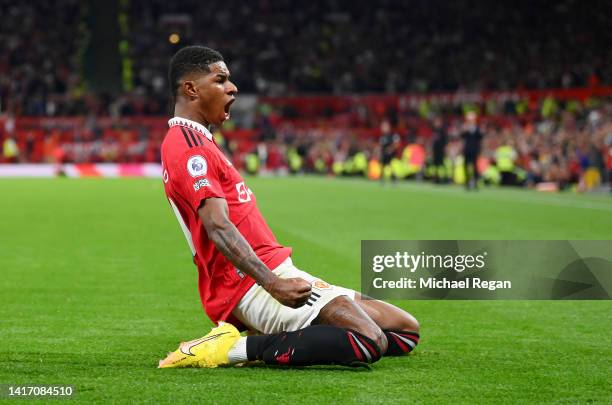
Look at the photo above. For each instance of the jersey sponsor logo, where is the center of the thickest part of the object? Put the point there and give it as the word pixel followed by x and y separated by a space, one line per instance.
pixel 201 184
pixel 244 193
pixel 186 347
pixel 196 166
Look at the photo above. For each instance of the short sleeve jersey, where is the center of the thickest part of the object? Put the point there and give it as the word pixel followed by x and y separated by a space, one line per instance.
pixel 194 169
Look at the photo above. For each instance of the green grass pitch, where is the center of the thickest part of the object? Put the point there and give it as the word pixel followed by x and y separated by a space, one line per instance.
pixel 97 285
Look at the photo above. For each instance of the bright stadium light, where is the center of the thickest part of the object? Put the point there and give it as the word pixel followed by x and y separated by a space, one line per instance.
pixel 174 38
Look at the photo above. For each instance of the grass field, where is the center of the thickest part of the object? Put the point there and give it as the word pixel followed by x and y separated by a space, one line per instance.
pixel 97 285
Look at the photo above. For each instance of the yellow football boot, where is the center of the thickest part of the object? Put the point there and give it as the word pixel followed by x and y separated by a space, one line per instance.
pixel 209 351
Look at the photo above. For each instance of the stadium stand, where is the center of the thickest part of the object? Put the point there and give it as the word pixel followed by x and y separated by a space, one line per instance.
pixel 327 75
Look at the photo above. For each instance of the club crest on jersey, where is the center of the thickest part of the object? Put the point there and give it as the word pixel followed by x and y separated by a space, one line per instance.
pixel 196 166
pixel 321 285
pixel 244 193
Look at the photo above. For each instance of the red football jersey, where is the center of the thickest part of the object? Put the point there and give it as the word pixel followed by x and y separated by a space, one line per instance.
pixel 194 168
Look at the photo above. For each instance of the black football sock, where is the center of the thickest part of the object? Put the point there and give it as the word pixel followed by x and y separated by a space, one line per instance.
pixel 400 342
pixel 317 344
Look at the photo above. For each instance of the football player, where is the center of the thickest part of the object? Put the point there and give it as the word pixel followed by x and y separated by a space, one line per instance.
pixel 247 279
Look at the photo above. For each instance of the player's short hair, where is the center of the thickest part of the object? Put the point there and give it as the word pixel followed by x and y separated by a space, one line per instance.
pixel 190 59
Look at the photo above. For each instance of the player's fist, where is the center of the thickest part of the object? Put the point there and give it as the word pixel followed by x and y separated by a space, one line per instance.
pixel 292 292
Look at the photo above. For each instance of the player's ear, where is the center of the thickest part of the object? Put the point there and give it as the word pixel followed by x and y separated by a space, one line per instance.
pixel 189 89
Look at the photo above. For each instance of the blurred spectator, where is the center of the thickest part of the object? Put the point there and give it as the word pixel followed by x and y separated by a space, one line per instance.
pixel 472 139
pixel 439 142
pixel 10 150
pixel 389 149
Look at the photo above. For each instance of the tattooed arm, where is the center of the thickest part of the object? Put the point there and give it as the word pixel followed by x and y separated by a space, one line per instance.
pixel 292 292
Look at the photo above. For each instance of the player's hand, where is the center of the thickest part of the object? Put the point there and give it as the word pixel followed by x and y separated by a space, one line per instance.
pixel 291 292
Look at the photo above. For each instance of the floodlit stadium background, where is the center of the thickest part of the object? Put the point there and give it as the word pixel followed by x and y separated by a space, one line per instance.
pixel 85 82
pixel 97 282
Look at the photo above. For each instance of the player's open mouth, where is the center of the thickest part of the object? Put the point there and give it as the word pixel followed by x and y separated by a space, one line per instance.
pixel 227 108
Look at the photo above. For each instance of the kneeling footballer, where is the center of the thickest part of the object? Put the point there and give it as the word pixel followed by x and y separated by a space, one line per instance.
pixel 247 279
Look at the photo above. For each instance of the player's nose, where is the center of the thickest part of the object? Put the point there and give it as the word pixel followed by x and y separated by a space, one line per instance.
pixel 232 89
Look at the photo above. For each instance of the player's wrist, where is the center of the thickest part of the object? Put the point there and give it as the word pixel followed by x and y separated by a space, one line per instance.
pixel 269 281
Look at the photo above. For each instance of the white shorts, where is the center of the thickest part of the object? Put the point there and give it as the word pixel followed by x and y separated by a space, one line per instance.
pixel 259 311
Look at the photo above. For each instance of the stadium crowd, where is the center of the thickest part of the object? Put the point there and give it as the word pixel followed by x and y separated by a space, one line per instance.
pixel 337 47
pixel 41 46
pixel 275 49
pixel 554 143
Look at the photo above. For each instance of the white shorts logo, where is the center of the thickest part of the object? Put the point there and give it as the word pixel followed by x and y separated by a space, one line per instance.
pixel 244 193
pixel 196 166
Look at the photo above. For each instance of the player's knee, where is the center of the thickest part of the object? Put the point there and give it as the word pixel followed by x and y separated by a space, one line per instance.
pixel 378 340
pixel 344 313
pixel 410 323
pixel 382 343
